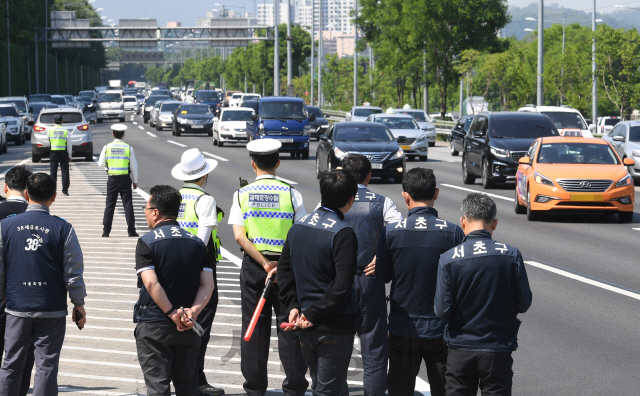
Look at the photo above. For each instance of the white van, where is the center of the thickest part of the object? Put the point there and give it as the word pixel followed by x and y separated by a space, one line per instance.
pixel 110 106
pixel 566 119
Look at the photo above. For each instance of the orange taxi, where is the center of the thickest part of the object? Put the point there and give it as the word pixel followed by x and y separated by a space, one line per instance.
pixel 573 173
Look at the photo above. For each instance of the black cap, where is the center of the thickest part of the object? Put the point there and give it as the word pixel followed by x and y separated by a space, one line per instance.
pixel 57 119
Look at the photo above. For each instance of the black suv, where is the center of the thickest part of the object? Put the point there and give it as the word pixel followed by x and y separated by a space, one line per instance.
pixel 496 141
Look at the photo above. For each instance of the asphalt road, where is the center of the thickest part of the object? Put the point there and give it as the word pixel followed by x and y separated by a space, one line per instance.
pixel 579 337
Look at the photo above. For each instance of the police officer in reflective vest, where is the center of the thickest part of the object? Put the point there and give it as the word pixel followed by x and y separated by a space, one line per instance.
pixel 120 161
pixel 60 153
pixel 198 215
pixel 368 216
pixel 408 256
pixel 482 286
pixel 262 214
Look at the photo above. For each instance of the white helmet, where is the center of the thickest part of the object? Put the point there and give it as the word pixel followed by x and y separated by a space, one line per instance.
pixel 406 107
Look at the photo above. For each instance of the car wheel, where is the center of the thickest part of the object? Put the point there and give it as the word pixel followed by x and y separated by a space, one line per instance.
pixel 220 143
pixel 178 133
pixel 4 148
pixel 305 155
pixel 215 141
pixel 210 133
pixel 145 120
pixel 122 119
pixel 519 209
pixel 625 217
pixel 99 120
pixel 486 181
pixel 466 176
pixel 454 152
pixel 398 179
pixel 329 164
pixel 532 215
pixel 88 157
pixel 293 154
pixel 28 136
pixel 424 158
pixel 35 158
pixel 411 157
pixel 158 128
pixel 317 166
pixel 432 144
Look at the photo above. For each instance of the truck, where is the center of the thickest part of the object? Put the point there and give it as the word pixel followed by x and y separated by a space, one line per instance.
pixel 115 84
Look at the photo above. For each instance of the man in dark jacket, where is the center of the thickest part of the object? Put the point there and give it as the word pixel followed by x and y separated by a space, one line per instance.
pixel 315 274
pixel 482 286
pixel 408 255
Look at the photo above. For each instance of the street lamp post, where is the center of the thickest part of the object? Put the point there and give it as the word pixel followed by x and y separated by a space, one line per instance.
pixel 313 35
pixel 539 80
pixel 290 90
pixel 8 53
pixel 276 51
pixel 355 58
pixel 320 55
pixel 594 88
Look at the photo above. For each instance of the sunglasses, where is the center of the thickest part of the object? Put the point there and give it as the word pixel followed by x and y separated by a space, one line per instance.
pixel 145 208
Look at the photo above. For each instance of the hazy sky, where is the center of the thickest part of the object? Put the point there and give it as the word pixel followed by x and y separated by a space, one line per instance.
pixel 186 11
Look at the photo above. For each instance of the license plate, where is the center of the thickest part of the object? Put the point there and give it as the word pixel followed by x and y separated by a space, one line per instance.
pixel 197 126
pixel 405 147
pixel 376 166
pixel 286 140
pixel 586 197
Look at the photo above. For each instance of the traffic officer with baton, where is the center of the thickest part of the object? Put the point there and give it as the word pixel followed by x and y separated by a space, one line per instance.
pixel 40 262
pixel 368 216
pixel 198 214
pixel 60 152
pixel 261 215
pixel 408 256
pixel 120 161
pixel 482 286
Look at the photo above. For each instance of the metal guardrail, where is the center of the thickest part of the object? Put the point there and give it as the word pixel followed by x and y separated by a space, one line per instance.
pixel 334 115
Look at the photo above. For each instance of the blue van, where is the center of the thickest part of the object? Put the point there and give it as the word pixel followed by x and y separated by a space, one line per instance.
pixel 287 120
pixel 208 97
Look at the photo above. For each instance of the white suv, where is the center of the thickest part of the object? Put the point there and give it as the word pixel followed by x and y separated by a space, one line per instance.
pixel 77 126
pixel 10 116
pixel 110 105
pixel 568 121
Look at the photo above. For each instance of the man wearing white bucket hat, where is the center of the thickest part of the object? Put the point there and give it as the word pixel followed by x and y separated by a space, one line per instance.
pixel 120 161
pixel 262 214
pixel 199 215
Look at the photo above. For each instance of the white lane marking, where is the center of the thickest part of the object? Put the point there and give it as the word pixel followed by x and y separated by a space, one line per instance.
pixel 481 192
pixel 19 163
pixel 151 134
pixel 637 229
pixel 141 127
pixel 585 280
pixel 286 180
pixel 105 328
pixel 215 156
pixel 135 123
pixel 231 257
pixel 176 143
pixel 93 391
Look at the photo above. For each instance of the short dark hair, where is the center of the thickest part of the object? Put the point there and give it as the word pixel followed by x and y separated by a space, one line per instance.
pixel 477 206
pixel 266 162
pixel 337 188
pixel 118 134
pixel 166 199
pixel 358 165
pixel 194 180
pixel 17 178
pixel 420 184
pixel 41 187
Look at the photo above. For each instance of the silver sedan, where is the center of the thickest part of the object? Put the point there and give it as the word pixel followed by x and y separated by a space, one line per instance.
pixel 625 139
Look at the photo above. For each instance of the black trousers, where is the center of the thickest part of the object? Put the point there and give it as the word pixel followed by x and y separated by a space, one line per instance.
pixel 28 364
pixel 167 355
pixel 406 356
pixel 255 352
pixel 468 370
pixel 205 319
pixel 119 185
pixel 60 158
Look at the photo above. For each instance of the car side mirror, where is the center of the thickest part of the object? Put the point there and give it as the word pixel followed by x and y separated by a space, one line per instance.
pixel 31 123
pixel 524 160
pixel 618 138
pixel 312 117
pixel 629 162
pixel 254 117
pixel 592 127
pixel 479 134
pixel 323 137
pixel 401 139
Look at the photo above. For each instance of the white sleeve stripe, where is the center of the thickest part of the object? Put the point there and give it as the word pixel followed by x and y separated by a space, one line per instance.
pixel 145 269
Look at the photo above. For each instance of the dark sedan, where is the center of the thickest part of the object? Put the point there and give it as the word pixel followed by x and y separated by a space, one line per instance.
pixel 456 138
pixel 373 140
pixel 320 125
pixel 192 118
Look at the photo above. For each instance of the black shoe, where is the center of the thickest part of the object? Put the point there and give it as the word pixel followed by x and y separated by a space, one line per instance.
pixel 66 193
pixel 105 235
pixel 210 390
pixel 133 234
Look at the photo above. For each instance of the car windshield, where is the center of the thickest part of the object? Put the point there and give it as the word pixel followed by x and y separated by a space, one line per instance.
pixel 565 119
pixel 366 112
pixel 207 95
pixel 37 107
pixel 19 103
pixel 109 97
pixel 139 96
pixel 153 99
pixel 8 111
pixel 522 127
pixel 170 107
pixel 39 98
pixel 371 133
pixel 58 100
pixel 250 97
pixel 195 110
pixel 634 134
pixel 86 100
pixel 293 110
pixel 611 121
pixel 577 153
pixel 87 94
pixel 67 118
pixel 236 96
pixel 159 92
pixel 316 111
pixel 417 115
pixel 241 115
pixel 398 122
pixel 130 99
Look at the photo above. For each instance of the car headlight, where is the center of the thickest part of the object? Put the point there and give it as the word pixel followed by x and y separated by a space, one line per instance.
pixel 181 120
pixel 306 130
pixel 224 128
pixel 540 179
pixel 500 152
pixel 339 153
pixel 635 153
pixel 625 181
pixel 399 153
pixel 422 138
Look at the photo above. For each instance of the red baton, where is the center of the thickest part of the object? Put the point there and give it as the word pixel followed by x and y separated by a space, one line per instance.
pixel 256 313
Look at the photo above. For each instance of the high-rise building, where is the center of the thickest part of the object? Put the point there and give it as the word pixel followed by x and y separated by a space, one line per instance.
pixel 265 13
